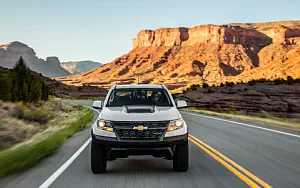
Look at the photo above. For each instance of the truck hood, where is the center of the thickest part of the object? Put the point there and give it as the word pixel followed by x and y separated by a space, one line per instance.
pixel 120 114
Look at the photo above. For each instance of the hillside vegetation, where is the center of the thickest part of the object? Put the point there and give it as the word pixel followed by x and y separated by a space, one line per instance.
pixel 21 84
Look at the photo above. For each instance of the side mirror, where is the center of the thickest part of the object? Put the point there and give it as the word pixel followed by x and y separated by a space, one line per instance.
pixel 181 104
pixel 97 104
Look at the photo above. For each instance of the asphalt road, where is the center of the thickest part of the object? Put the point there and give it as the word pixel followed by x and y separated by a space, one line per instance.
pixel 222 154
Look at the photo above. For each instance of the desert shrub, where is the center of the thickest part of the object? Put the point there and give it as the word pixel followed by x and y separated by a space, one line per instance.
pixel 57 106
pixel 38 115
pixel 221 85
pixel 251 83
pixel 290 80
pixel 279 81
pixel 231 110
pixel 194 87
pixel 205 85
pixel 16 111
pixel 174 75
pixel 229 84
pixel 219 109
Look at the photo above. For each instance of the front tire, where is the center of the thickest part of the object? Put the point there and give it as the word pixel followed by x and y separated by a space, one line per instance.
pixel 181 158
pixel 98 158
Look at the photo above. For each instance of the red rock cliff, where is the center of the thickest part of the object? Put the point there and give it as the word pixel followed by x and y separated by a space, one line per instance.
pixel 212 54
pixel 200 35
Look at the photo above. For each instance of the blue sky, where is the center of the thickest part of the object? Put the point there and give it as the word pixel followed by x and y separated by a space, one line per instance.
pixel 102 30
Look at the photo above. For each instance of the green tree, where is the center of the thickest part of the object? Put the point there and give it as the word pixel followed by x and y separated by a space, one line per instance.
pixel 5 87
pixel 20 74
pixel 27 86
pixel 290 80
pixel 205 85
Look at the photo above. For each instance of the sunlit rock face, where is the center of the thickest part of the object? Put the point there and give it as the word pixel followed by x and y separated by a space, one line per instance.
pixel 179 57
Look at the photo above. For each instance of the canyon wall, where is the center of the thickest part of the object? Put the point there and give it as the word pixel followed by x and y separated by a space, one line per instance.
pixel 179 57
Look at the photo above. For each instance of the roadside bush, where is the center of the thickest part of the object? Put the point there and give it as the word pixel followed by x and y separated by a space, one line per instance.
pixel 205 85
pixel 231 110
pixel 16 111
pixel 37 115
pixel 58 107
pixel 279 81
pixel 290 80
pixel 194 87
pixel 174 75
pixel 229 84
pixel 251 83
pixel 219 109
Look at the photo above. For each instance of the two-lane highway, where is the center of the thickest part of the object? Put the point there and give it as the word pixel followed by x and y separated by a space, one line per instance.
pixel 222 154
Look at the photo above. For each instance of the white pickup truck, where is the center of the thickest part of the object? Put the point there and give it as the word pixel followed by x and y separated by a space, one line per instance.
pixel 139 120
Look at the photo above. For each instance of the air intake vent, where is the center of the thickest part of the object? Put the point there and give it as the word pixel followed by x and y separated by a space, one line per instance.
pixel 140 109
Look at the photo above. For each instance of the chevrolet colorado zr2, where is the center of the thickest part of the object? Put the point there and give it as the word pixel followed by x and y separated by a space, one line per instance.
pixel 139 120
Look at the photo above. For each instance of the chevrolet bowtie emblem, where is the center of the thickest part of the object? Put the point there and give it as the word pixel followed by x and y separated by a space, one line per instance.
pixel 140 128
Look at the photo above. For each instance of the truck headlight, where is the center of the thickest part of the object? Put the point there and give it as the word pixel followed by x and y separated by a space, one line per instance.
pixel 104 125
pixel 175 124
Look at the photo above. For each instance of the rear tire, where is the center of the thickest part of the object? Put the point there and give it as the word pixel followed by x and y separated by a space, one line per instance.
pixel 98 158
pixel 181 158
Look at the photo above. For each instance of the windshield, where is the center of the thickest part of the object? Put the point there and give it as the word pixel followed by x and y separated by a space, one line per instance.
pixel 122 97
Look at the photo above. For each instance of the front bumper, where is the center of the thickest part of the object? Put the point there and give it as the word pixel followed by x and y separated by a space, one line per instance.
pixel 122 149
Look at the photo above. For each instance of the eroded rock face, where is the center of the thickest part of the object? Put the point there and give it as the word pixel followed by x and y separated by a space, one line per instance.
pixel 179 57
pixel 10 54
pixel 200 35
pixel 160 37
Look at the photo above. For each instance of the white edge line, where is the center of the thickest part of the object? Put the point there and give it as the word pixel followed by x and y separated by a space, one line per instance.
pixel 61 169
pixel 244 124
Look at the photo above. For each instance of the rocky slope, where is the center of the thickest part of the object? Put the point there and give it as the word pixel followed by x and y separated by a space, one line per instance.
pixel 278 100
pixel 75 67
pixel 10 53
pixel 179 57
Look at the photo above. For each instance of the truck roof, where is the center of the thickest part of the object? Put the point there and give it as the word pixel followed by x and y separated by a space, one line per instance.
pixel 132 86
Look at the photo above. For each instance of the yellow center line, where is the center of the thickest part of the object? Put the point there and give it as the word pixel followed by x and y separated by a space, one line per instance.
pixel 229 167
pixel 249 174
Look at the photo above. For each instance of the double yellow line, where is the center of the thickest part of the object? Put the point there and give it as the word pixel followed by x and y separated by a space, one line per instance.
pixel 246 176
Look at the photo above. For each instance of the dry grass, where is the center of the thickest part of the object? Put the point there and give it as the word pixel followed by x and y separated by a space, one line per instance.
pixel 27 123
pixel 290 124
pixel 29 153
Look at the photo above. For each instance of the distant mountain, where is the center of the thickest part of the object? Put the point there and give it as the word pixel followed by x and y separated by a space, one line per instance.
pixel 75 67
pixel 212 54
pixel 10 53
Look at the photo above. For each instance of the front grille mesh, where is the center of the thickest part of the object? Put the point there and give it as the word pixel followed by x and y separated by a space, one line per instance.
pixel 154 131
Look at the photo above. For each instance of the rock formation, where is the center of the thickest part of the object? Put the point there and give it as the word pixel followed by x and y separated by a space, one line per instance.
pixel 179 57
pixel 75 67
pixel 10 53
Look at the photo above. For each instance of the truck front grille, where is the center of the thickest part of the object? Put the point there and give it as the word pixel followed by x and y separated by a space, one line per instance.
pixel 151 131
